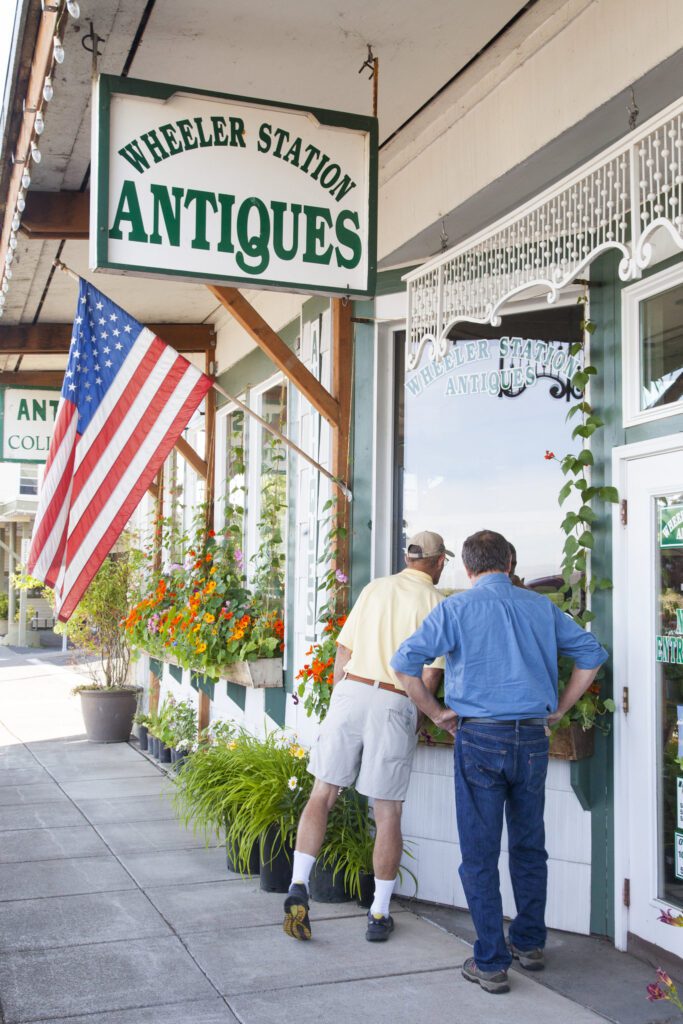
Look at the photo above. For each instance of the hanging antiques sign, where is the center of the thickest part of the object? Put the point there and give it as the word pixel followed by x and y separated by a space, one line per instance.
pixel 219 188
pixel 27 420
pixel 505 366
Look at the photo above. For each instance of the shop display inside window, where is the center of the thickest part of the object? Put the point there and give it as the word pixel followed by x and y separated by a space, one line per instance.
pixel 669 658
pixel 661 349
pixel 472 433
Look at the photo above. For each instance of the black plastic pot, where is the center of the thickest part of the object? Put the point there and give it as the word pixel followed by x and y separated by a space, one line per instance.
pixel 142 737
pixel 164 753
pixel 254 862
pixel 367 891
pixel 324 888
pixel 108 714
pixel 276 867
pixel 153 745
pixel 178 757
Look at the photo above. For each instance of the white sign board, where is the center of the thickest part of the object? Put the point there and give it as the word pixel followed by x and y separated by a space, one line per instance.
pixel 28 420
pixel 227 189
pixel 679 803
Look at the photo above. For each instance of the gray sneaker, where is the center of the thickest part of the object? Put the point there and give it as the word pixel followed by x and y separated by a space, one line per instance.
pixel 495 982
pixel 529 959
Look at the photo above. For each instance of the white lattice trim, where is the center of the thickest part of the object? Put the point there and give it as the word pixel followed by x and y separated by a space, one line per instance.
pixel 616 201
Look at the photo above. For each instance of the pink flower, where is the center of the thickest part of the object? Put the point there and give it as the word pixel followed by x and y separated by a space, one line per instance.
pixel 664 977
pixel 654 993
pixel 341 577
pixel 668 917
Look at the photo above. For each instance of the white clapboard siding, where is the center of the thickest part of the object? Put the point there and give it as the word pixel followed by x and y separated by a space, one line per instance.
pixel 431 838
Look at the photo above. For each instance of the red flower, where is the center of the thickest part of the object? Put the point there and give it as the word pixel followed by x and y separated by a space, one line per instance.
pixel 212 533
pixel 549 455
pixel 655 993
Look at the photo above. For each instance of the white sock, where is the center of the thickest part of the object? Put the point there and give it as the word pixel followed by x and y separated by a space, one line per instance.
pixel 383 891
pixel 301 872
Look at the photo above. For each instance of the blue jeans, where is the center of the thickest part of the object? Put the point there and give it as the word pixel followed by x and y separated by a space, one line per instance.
pixel 502 767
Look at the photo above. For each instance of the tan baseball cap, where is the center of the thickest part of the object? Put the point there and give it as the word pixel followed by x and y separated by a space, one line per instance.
pixel 426 545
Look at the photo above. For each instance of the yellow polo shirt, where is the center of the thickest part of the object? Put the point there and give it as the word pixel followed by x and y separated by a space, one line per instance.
pixel 388 611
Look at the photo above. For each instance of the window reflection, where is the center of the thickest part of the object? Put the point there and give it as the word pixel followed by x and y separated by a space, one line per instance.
pixel 472 436
pixel 661 349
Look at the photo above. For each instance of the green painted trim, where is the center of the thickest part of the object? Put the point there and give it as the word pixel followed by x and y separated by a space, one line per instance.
pixel 361 456
pixel 206 685
pixel 109 85
pixel 194 680
pixel 238 695
pixel 176 673
pixel 156 667
pixel 276 705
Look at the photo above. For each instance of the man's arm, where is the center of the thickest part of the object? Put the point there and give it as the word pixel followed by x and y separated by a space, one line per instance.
pixel 579 681
pixel 425 700
pixel 342 656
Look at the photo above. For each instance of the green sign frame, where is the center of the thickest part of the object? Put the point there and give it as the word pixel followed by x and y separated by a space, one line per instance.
pixel 110 85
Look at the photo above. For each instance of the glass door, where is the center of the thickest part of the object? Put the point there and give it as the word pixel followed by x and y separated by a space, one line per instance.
pixel 651 804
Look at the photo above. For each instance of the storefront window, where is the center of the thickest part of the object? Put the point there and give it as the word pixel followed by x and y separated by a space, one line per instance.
pixel 235 481
pixel 28 478
pixel 269 518
pixel 669 656
pixel 661 349
pixel 472 434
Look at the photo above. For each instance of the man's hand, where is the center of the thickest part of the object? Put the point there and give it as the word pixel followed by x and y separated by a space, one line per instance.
pixel 447 720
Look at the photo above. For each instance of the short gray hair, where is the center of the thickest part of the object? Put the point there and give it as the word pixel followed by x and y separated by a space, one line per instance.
pixel 486 551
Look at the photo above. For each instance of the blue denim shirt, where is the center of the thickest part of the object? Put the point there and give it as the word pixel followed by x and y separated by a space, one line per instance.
pixel 501 645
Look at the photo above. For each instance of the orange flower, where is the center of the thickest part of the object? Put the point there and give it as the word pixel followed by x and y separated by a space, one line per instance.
pixel 209 557
pixel 209 618
pixel 212 533
pixel 201 648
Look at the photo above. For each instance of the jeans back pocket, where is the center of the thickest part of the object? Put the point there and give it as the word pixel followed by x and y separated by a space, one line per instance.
pixel 482 766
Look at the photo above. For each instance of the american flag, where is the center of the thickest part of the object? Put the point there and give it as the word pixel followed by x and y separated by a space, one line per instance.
pixel 126 399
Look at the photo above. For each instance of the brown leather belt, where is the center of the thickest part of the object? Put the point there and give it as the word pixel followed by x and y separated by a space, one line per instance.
pixel 372 682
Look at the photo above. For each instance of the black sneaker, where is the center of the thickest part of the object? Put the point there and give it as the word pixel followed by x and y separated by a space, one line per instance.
pixel 529 959
pixel 379 927
pixel 296 922
pixel 495 982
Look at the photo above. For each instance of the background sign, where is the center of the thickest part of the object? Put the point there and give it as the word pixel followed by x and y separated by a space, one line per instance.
pixel 671 526
pixel 27 418
pixel 224 188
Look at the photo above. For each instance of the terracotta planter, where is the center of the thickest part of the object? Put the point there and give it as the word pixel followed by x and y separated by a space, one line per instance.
pixel 571 743
pixel 108 714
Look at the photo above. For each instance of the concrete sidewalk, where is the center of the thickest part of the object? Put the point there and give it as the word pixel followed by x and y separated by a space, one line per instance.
pixel 112 913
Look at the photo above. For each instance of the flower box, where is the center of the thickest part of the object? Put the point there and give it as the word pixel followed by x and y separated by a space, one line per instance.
pixel 259 674
pixel 572 743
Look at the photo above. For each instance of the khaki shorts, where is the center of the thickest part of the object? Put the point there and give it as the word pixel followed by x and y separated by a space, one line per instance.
pixel 368 737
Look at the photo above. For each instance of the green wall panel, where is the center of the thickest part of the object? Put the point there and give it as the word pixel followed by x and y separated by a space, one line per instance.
pixel 237 694
pixel 176 673
pixel 276 705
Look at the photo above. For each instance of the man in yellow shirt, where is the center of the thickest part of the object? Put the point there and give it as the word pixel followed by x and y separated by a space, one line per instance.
pixel 370 732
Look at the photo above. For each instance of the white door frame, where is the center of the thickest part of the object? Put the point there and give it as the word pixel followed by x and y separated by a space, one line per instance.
pixel 620 457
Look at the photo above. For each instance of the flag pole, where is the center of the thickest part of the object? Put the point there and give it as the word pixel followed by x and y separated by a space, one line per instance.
pixel 343 487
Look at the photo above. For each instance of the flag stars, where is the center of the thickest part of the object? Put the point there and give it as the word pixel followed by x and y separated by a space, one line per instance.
pixel 78 320
pixel 118 346
pixel 101 321
pixel 99 305
pixel 96 366
pixel 116 332
pixel 113 317
pixel 98 380
pixel 83 299
pixel 76 354
pixel 104 335
pixel 106 350
pixel 128 328
pixel 108 363
pixel 72 387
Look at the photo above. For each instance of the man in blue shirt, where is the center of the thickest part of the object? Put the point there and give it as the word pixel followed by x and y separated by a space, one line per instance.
pixel 501 645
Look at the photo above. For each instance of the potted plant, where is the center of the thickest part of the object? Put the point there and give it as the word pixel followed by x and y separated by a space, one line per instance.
pixel 4 612
pixel 343 870
pixel 183 730
pixel 142 721
pixel 573 738
pixel 108 702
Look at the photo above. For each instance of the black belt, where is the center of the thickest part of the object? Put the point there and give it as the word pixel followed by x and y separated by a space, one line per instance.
pixel 508 721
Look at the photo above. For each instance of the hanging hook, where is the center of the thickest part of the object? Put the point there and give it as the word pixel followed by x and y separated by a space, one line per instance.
pixel 444 236
pixel 368 63
pixel 94 47
pixel 633 111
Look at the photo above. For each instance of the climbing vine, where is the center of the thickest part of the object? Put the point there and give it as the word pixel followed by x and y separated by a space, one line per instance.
pixel 577 525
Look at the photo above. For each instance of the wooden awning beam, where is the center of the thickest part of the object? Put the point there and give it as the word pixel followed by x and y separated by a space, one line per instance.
pixel 63 215
pixel 273 345
pixel 54 339
pixel 190 455
pixel 32 378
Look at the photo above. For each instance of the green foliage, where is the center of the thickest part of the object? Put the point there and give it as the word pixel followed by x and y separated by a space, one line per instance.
pixel 4 605
pixel 317 674
pixel 95 626
pixel 577 526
